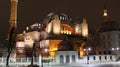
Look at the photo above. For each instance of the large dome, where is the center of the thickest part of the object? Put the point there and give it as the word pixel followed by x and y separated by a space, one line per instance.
pixel 110 26
pixel 62 16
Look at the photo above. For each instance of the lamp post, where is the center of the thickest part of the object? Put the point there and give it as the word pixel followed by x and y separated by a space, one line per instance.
pixel 87 52
pixel 116 50
pixel 45 50
pixel 11 44
pixel 41 59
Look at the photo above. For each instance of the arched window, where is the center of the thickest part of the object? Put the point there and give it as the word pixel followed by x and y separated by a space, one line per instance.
pixel 105 57
pixel 73 58
pixel 61 59
pixel 67 59
pixel 99 57
pixel 60 17
pixel 94 58
pixel 110 57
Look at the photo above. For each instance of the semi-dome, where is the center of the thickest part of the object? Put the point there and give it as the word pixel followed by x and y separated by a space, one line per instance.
pixel 65 45
pixel 110 26
pixel 35 27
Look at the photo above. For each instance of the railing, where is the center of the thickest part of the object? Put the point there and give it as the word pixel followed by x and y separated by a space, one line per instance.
pixel 14 62
pixel 98 59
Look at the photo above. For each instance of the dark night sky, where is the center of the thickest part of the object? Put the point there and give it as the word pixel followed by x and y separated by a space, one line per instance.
pixel 32 11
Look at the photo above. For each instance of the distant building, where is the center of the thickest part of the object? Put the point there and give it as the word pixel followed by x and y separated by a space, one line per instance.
pixel 108 35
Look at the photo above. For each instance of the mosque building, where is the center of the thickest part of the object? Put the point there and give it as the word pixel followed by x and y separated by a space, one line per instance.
pixel 108 35
pixel 57 32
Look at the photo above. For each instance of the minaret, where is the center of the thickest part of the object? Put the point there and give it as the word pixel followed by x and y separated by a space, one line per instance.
pixel 105 13
pixel 13 17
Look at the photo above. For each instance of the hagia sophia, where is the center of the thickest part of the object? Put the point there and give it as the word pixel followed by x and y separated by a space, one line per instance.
pixel 56 32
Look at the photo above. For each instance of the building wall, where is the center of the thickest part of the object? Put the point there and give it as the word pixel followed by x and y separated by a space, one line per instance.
pixel 53 47
pixel 67 57
pixel 110 41
pixel 86 59
pixel 97 59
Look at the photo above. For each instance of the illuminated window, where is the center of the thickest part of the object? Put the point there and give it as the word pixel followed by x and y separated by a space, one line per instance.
pixel 60 17
pixel 63 18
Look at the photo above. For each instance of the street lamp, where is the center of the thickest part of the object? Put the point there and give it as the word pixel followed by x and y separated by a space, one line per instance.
pixel 44 50
pixel 87 52
pixel 116 49
pixel 44 44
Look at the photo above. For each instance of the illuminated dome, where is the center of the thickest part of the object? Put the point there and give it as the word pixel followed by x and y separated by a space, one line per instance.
pixel 50 15
pixel 110 26
pixel 62 16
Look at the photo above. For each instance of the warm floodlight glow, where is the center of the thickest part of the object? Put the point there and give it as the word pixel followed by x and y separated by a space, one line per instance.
pixel 46 50
pixel 105 13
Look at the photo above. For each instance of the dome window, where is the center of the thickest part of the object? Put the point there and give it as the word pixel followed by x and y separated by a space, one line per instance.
pixel 60 17
pixel 63 18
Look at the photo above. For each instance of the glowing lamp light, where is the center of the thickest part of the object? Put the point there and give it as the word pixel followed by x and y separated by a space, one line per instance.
pixel 84 49
pixel 117 48
pixel 113 48
pixel 27 28
pixel 105 14
pixel 89 49
pixel 46 50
